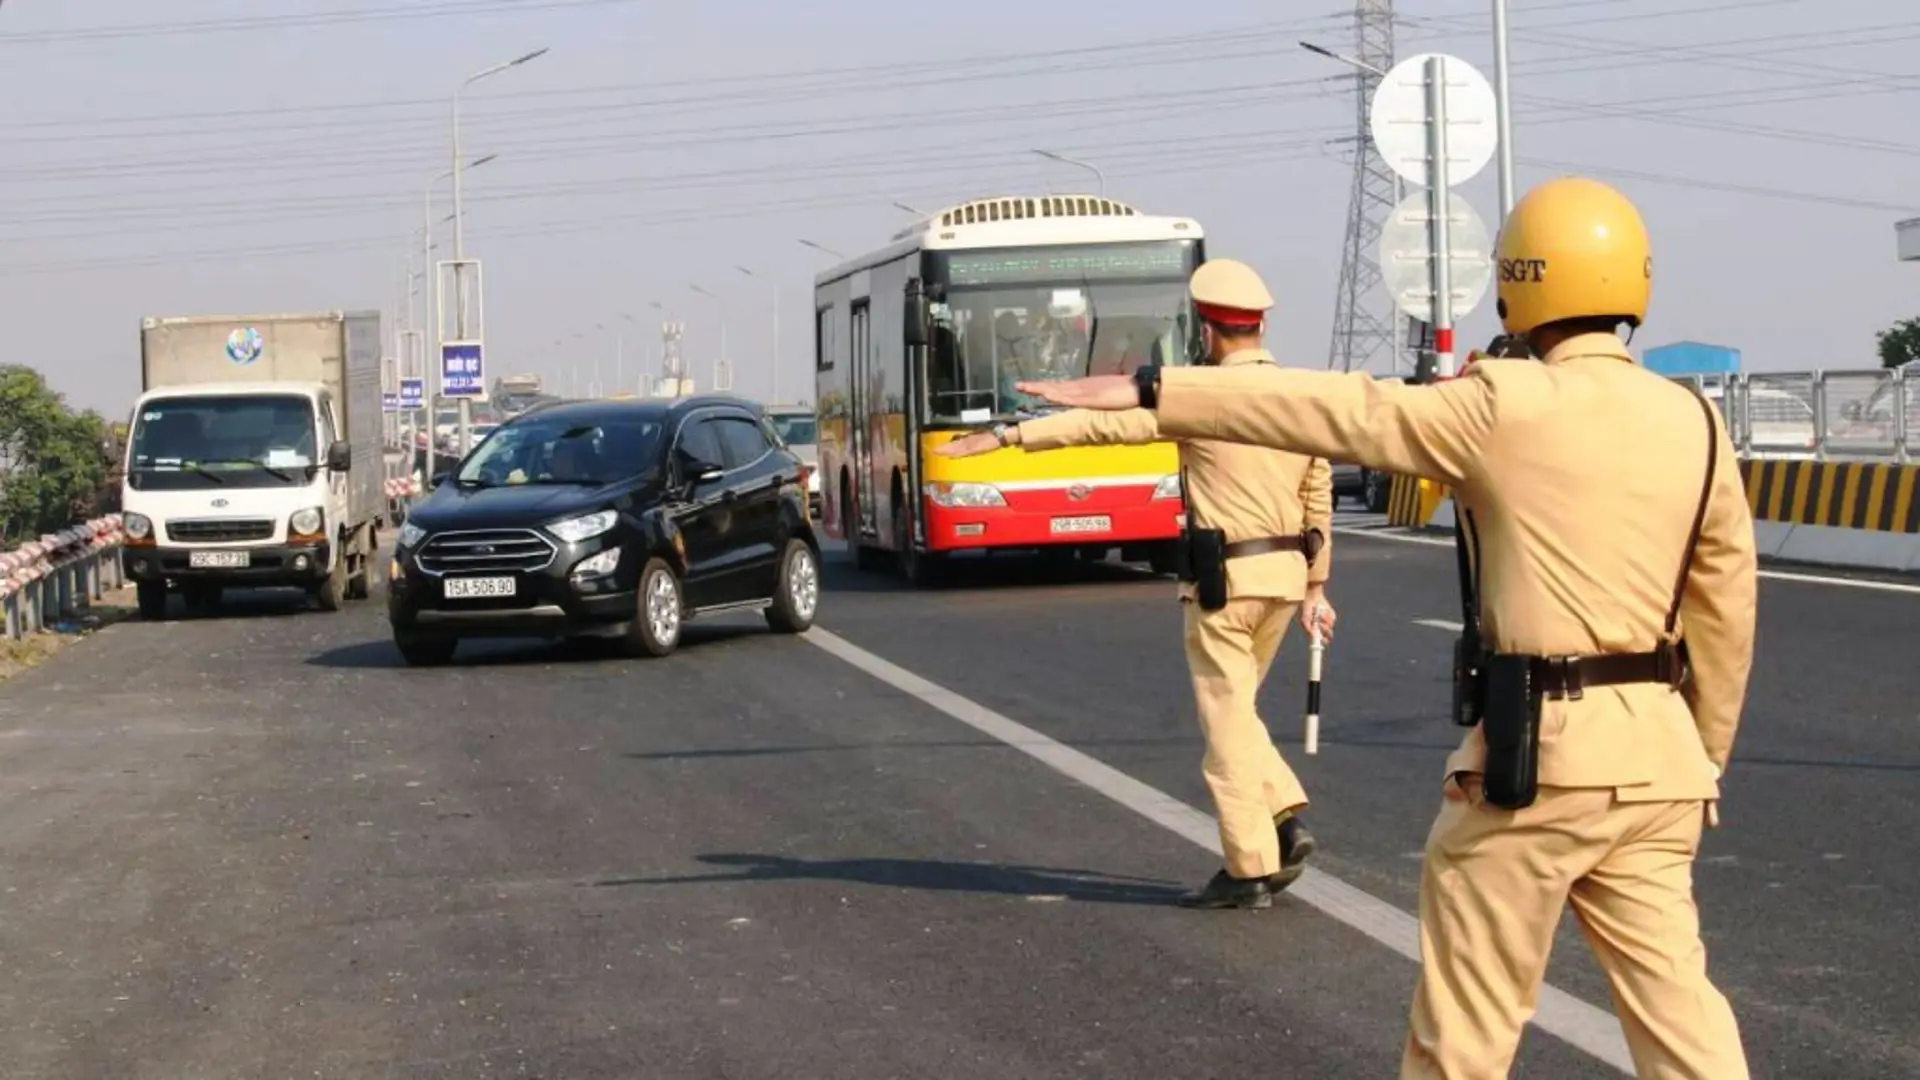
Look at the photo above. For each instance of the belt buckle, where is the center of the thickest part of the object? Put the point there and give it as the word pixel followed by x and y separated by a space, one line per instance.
pixel 1566 672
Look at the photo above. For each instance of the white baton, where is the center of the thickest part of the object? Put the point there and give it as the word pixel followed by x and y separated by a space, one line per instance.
pixel 1314 654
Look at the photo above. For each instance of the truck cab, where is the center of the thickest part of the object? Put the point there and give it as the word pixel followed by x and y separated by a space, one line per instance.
pixel 241 485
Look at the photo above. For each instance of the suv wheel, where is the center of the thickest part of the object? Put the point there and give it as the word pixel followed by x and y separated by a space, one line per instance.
pixel 661 611
pixel 425 651
pixel 798 596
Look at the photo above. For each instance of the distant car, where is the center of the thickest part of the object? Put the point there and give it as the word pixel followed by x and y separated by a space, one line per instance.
pixel 608 519
pixel 800 431
pixel 1362 483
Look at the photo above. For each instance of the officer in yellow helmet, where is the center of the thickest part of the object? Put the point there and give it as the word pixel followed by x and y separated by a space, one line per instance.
pixel 1258 553
pixel 1608 560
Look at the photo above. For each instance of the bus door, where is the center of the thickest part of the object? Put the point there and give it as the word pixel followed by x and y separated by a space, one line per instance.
pixel 860 429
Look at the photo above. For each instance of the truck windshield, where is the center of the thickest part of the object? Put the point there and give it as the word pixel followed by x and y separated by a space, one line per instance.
pixel 541 449
pixel 796 429
pixel 256 440
pixel 1052 313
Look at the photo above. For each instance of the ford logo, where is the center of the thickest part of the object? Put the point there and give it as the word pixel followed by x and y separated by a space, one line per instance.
pixel 218 503
pixel 483 549
pixel 1078 492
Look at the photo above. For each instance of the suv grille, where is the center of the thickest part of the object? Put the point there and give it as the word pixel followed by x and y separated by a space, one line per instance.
pixel 486 551
pixel 216 531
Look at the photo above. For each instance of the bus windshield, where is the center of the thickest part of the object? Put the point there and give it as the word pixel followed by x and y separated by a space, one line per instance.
pixel 1051 313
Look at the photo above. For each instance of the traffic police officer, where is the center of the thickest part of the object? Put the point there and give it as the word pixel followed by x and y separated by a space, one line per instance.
pixel 1270 514
pixel 1609 516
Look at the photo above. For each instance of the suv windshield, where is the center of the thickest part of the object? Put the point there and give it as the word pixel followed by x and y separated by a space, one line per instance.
pixel 796 429
pixel 544 449
pixel 254 440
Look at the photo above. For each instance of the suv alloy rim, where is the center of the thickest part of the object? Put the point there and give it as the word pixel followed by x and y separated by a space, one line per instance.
pixel 663 607
pixel 803 582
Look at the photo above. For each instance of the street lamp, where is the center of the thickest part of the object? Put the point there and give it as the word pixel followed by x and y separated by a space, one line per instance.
pixel 1089 166
pixel 718 364
pixel 1347 60
pixel 822 248
pixel 427 272
pixel 461 329
pixel 775 397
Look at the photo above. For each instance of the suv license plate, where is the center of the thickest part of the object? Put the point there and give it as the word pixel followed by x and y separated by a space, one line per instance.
pixel 1100 523
pixel 477 587
pixel 219 560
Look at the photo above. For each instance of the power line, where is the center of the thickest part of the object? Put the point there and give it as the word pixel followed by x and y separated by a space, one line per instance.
pixel 247 24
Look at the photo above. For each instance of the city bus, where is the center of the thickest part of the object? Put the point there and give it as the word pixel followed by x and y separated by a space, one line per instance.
pixel 923 340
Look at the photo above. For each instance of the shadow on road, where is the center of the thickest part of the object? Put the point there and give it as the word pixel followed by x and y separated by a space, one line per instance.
pixel 1001 571
pixel 931 875
pixel 507 652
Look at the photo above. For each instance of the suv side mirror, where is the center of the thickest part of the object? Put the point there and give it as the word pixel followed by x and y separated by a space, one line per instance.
pixel 917 316
pixel 694 472
pixel 340 456
pixel 440 479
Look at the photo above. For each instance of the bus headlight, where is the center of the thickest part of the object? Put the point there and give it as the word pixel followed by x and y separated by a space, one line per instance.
pixel 1168 488
pixel 964 495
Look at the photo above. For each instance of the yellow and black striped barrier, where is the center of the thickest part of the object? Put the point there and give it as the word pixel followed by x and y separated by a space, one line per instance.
pixel 1411 501
pixel 1868 495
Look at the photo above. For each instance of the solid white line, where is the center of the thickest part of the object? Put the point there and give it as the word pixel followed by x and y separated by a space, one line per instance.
pixel 1580 1024
pixel 1440 624
pixel 1398 534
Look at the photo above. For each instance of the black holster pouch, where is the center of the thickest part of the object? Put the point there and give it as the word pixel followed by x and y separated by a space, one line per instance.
pixel 1511 726
pixel 1203 564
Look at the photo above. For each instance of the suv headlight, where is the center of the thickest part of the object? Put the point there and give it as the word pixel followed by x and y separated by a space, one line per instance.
pixel 1168 488
pixel 584 527
pixel 138 526
pixel 410 534
pixel 965 495
pixel 306 522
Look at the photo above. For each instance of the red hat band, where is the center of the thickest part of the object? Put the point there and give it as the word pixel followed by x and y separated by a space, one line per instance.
pixel 1226 316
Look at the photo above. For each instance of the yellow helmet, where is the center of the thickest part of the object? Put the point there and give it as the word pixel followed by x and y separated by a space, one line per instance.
pixel 1573 248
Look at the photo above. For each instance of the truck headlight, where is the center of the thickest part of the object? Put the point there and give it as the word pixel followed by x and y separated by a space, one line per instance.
pixel 1168 488
pixel 965 495
pixel 584 527
pixel 410 534
pixel 306 522
pixel 138 526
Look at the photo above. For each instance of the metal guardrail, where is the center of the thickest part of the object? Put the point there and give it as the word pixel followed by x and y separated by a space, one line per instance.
pixel 1871 415
pixel 61 572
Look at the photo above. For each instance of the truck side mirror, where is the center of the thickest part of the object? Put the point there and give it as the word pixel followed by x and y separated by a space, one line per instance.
pixel 918 315
pixel 340 456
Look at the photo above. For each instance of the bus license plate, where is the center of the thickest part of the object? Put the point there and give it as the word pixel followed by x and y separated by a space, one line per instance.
pixel 477 587
pixel 1095 524
pixel 219 560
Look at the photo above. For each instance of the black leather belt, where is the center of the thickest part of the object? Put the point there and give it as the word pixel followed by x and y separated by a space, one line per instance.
pixel 1267 545
pixel 1567 676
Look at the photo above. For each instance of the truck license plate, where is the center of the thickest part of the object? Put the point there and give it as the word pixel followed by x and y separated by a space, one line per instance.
pixel 219 560
pixel 1098 523
pixel 474 588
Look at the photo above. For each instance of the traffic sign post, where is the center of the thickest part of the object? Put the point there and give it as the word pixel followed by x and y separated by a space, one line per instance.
pixel 463 372
pixel 1406 256
pixel 412 394
pixel 1433 119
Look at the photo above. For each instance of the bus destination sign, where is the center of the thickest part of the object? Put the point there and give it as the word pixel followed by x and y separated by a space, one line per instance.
pixel 1072 263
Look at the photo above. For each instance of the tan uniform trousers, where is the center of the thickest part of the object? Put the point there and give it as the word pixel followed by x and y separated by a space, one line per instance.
pixel 1491 895
pixel 1228 653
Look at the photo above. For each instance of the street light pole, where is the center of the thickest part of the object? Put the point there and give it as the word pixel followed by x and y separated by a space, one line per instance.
pixel 721 306
pixel 461 329
pixel 775 396
pixel 1505 117
pixel 1089 166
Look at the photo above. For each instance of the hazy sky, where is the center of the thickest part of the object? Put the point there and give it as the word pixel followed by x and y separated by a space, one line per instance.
pixel 207 156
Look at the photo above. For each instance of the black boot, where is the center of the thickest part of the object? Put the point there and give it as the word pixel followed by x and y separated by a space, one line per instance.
pixel 1226 891
pixel 1296 845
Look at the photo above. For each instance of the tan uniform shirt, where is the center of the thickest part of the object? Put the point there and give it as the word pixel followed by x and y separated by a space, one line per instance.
pixel 1582 474
pixel 1247 492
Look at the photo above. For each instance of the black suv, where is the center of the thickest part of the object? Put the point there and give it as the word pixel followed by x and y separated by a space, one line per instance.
pixel 608 519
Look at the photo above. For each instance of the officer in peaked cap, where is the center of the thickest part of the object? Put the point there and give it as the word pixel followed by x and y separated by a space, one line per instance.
pixel 1257 556
pixel 1609 531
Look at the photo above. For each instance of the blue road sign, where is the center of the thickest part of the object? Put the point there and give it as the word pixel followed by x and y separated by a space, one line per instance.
pixel 389 402
pixel 461 371
pixel 412 394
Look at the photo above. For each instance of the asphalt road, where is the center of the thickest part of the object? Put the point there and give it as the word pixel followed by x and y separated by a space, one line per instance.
pixel 255 845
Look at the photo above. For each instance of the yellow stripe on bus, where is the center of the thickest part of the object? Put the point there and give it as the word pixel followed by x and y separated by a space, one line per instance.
pixel 1013 464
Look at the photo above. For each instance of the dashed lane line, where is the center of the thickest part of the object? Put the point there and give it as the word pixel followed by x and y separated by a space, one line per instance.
pixel 1584 1026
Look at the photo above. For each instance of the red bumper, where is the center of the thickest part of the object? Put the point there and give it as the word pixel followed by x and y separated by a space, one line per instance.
pixel 1105 515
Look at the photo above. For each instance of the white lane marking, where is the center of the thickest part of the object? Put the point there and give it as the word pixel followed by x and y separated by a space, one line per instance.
pixel 1440 624
pixel 1397 533
pixel 1559 1013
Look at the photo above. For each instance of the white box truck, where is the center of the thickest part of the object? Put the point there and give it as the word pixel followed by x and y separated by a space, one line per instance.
pixel 254 457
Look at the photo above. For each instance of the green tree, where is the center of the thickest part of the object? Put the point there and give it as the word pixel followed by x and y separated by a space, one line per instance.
pixel 1900 343
pixel 53 461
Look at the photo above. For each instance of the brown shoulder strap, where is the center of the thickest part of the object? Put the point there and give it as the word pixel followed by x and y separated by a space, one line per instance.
pixel 1700 514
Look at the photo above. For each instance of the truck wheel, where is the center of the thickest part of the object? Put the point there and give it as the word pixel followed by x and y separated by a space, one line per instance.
pixel 331 594
pixel 1375 491
pixel 425 651
pixel 1165 559
pixel 360 584
pixel 152 598
pixel 660 611
pixel 797 597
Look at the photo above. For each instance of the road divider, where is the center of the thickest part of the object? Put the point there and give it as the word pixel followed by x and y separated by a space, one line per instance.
pixel 60 572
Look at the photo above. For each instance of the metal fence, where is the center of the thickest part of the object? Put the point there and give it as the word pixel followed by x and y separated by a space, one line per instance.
pixel 59 573
pixel 1819 415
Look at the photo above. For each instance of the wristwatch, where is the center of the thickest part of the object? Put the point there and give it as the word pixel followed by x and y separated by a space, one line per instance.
pixel 1000 433
pixel 1146 380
